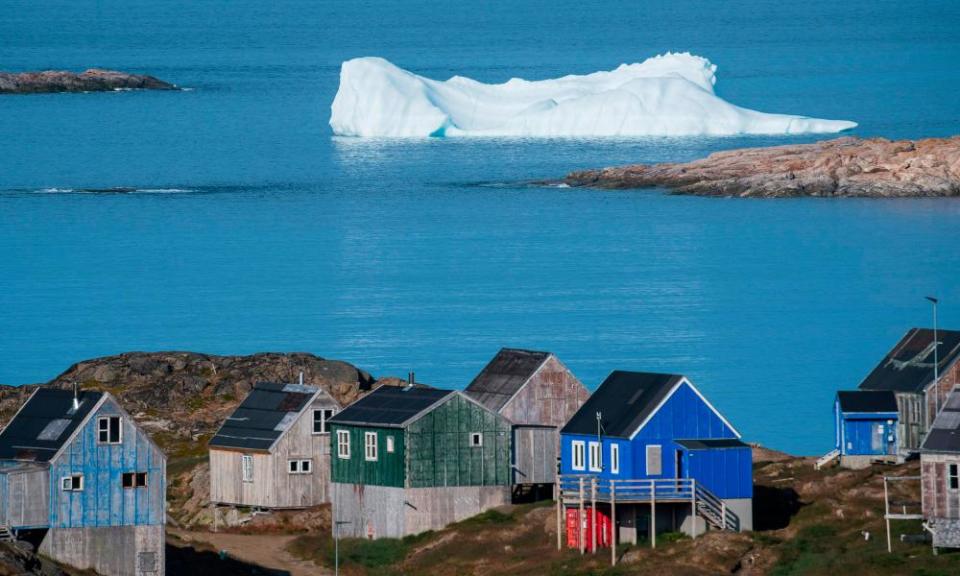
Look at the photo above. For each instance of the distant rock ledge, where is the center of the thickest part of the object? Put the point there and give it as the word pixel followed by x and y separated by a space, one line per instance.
pixel 843 167
pixel 93 80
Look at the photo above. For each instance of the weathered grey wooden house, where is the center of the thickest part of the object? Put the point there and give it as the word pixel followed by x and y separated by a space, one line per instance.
pixel 538 395
pixel 78 467
pixel 407 460
pixel 908 370
pixel 274 450
pixel 940 475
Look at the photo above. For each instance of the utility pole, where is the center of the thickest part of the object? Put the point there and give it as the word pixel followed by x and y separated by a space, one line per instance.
pixel 936 357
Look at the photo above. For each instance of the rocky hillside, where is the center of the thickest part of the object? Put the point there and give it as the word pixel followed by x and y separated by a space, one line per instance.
pixel 844 167
pixel 93 80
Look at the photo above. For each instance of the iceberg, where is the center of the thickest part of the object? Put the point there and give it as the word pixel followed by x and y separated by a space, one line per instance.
pixel 667 95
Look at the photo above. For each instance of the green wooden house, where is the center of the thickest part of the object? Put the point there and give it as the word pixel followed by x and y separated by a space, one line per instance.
pixel 406 460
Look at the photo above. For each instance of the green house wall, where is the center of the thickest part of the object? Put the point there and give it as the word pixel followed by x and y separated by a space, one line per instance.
pixel 387 470
pixel 439 451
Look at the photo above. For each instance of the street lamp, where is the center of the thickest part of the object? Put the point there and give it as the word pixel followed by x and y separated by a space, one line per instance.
pixel 936 357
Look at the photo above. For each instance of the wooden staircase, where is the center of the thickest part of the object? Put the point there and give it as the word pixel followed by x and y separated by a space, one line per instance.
pixel 6 535
pixel 827 458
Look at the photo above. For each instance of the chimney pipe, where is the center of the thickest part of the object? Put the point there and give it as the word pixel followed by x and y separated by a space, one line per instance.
pixel 410 379
pixel 76 399
pixel 301 378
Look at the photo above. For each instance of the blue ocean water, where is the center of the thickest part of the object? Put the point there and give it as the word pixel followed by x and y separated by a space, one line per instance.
pixel 254 229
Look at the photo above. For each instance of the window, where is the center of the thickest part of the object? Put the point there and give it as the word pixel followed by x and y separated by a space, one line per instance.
pixel 108 430
pixel 577 453
pixel 72 483
pixel 370 446
pixel 654 460
pixel 596 461
pixel 476 439
pixel 300 466
pixel 390 444
pixel 614 458
pixel 133 480
pixel 320 419
pixel 343 444
pixel 953 477
pixel 246 467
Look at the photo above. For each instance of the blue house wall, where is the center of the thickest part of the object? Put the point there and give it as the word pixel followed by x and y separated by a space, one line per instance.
pixel 104 501
pixel 684 416
pixel 855 432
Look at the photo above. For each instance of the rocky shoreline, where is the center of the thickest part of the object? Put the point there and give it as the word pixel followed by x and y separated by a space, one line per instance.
pixel 93 80
pixel 843 167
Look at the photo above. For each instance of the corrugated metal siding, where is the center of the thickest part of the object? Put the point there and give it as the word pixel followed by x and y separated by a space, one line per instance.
pixel 727 472
pixel 387 470
pixel 550 398
pixel 439 451
pixel 861 438
pixel 103 501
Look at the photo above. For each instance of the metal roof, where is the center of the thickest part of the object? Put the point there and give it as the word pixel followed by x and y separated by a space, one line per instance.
pixel 867 400
pixel 712 443
pixel 504 375
pixel 625 400
pixel 908 367
pixel 944 436
pixel 45 423
pixel 391 406
pixel 264 416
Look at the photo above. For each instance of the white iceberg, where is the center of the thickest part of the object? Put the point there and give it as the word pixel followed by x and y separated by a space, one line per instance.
pixel 668 95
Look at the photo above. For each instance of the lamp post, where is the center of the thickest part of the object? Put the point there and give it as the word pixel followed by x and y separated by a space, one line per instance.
pixel 936 357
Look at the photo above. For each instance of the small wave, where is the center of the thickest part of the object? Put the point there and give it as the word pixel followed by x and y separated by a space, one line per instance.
pixel 112 190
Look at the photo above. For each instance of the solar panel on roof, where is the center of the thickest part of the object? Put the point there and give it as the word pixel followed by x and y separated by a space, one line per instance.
pixel 53 429
pixel 947 420
pixel 953 402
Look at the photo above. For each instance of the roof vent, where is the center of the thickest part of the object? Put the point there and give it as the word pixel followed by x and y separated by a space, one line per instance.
pixel 76 397
pixel 411 381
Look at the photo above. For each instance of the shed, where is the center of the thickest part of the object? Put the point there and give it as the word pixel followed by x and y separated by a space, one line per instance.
pixel 669 458
pixel 538 394
pixel 866 427
pixel 61 447
pixel 406 460
pixel 940 475
pixel 907 370
pixel 274 450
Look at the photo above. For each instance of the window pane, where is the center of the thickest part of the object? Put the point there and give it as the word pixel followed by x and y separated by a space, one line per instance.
pixel 305 466
pixel 114 429
pixel 141 479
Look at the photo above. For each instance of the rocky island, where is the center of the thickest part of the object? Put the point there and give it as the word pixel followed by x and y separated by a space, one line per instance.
pixel 843 167
pixel 93 80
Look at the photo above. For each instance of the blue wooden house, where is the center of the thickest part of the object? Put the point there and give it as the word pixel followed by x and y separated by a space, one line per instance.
pixel 654 445
pixel 77 470
pixel 866 427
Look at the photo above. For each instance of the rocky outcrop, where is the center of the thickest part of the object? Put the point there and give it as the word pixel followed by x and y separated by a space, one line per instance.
pixel 93 80
pixel 844 167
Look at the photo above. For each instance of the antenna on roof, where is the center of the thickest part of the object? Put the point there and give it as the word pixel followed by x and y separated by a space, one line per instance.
pixel 301 377
pixel 599 439
pixel 76 394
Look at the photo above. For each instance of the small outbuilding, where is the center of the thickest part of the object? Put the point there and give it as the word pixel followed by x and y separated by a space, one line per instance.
pixel 651 454
pixel 908 371
pixel 866 423
pixel 77 468
pixel 538 394
pixel 411 459
pixel 940 475
pixel 273 452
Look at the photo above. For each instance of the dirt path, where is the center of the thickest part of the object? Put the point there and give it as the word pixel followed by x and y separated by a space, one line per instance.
pixel 266 550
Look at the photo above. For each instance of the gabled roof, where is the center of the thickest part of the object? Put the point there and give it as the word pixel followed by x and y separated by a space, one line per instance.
pixel 625 400
pixel 391 406
pixel 908 367
pixel 867 401
pixel 45 423
pixel 504 376
pixel 264 416
pixel 944 436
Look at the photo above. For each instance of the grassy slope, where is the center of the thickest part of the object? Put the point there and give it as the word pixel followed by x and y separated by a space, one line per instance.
pixel 809 523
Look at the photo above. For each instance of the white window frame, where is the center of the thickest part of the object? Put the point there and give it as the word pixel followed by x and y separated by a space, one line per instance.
pixel 595 457
pixel 300 466
pixel 614 458
pixel 101 429
pixel 649 459
pixel 476 439
pixel 324 418
pixel 953 476
pixel 370 446
pixel 246 468
pixel 343 444
pixel 578 451
pixel 390 445
pixel 70 479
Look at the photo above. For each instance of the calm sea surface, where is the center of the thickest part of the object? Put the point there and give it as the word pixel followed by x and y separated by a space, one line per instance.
pixel 253 229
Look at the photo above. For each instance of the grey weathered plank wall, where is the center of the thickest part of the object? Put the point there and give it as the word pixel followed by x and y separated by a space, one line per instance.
pixel 550 398
pixel 120 550
pixel 25 501
pixel 535 454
